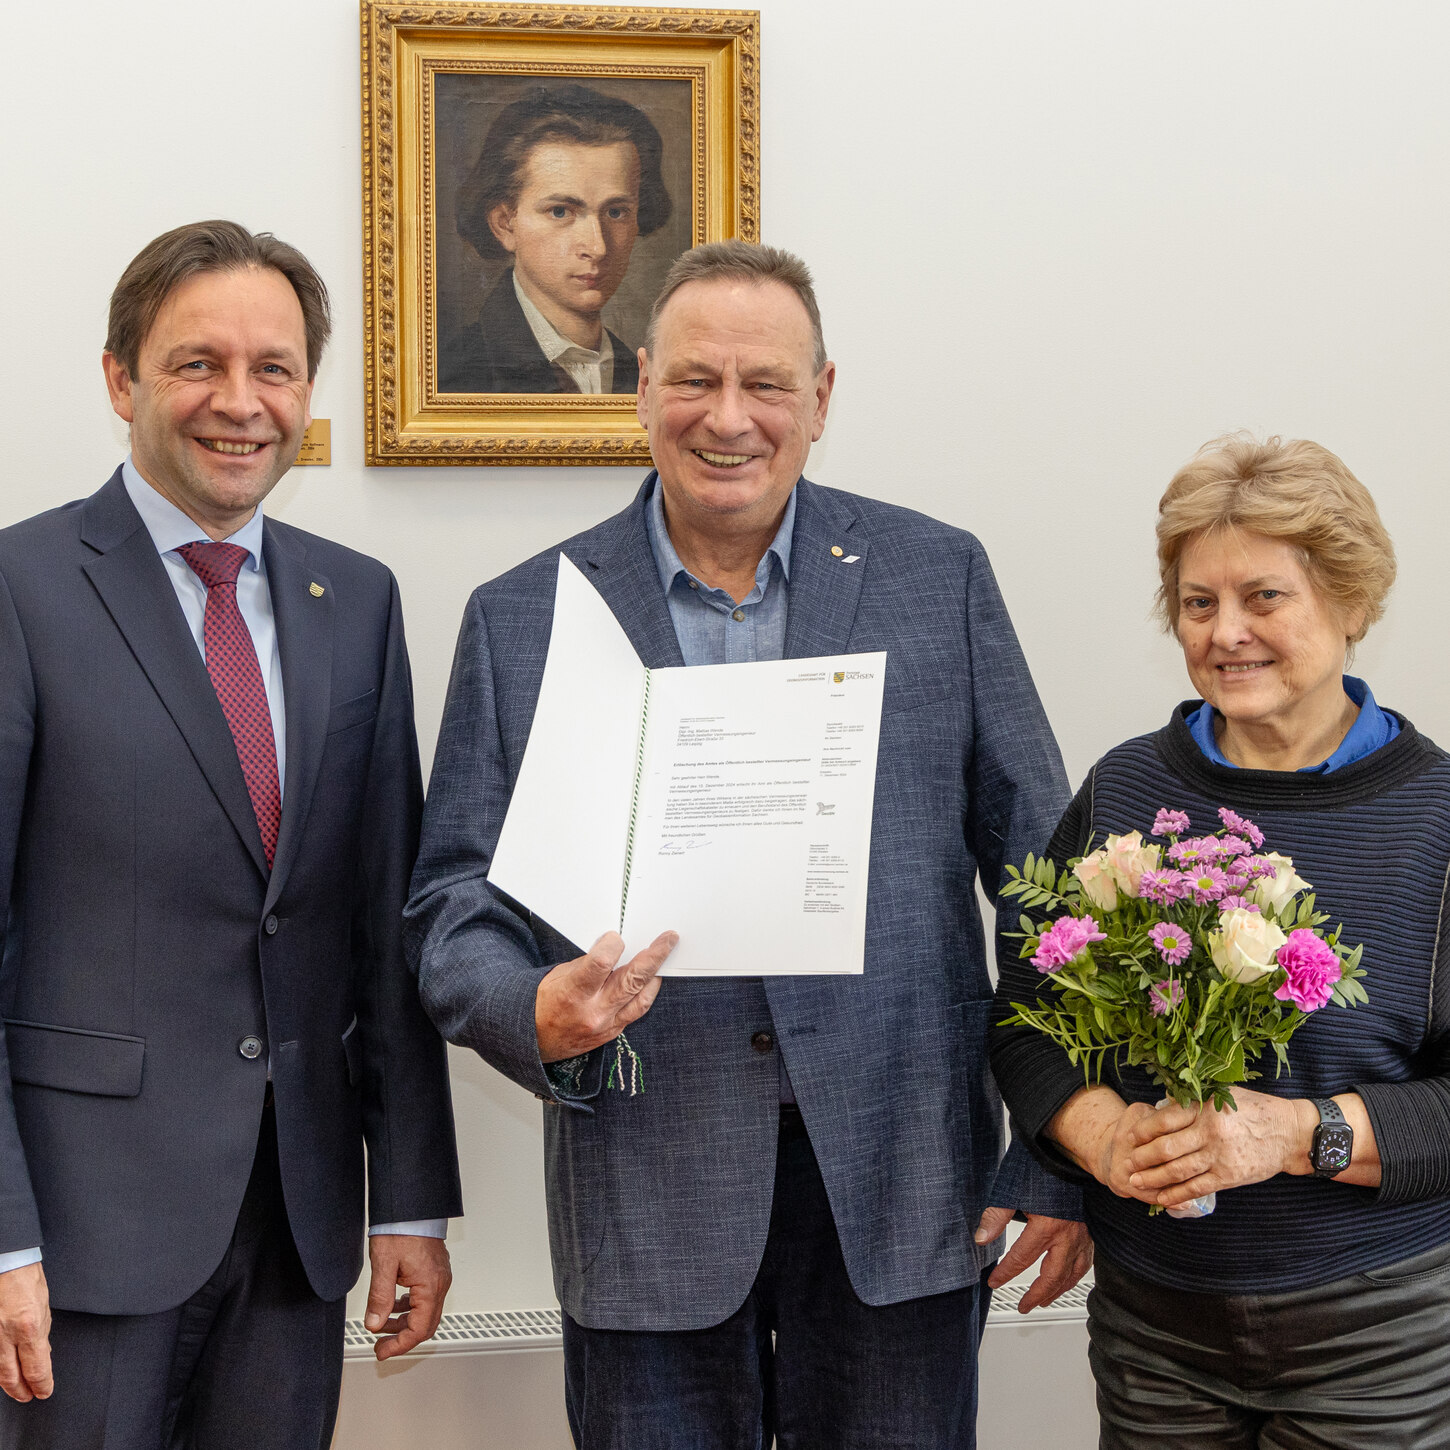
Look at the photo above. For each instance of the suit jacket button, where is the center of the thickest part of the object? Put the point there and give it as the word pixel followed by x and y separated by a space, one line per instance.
pixel 762 1042
pixel 250 1047
pixel 270 926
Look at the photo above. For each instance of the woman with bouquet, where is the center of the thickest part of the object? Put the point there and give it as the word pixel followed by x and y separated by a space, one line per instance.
pixel 1312 1306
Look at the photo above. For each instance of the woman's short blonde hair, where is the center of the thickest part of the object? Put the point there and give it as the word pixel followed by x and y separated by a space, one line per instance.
pixel 1295 491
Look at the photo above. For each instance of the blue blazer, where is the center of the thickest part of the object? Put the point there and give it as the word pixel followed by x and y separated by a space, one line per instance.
pixel 146 938
pixel 659 1204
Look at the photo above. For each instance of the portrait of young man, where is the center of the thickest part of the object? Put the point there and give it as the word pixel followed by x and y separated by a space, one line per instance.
pixel 566 181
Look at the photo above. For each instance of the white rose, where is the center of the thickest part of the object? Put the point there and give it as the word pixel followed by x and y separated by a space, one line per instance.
pixel 1244 946
pixel 1128 858
pixel 1097 880
pixel 1272 893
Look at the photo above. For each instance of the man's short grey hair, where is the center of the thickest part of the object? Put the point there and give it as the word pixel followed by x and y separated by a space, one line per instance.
pixel 736 261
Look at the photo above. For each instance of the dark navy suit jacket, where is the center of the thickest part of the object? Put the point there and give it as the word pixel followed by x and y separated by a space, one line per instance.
pixel 659 1204
pixel 500 354
pixel 145 937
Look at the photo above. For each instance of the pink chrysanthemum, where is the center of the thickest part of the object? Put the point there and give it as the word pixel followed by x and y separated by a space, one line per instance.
pixel 1240 827
pixel 1066 939
pixel 1164 887
pixel 1205 883
pixel 1234 846
pixel 1311 969
pixel 1194 851
pixel 1164 996
pixel 1256 866
pixel 1169 823
pixel 1173 943
pixel 1237 902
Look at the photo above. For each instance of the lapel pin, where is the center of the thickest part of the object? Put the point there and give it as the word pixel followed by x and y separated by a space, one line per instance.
pixel 837 550
pixel 316 590
pixel 850 558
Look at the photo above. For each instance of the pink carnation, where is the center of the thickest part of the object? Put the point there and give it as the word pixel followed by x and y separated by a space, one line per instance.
pixel 1240 827
pixel 1204 883
pixel 1065 940
pixel 1173 943
pixel 1238 903
pixel 1310 970
pixel 1164 887
pixel 1164 996
pixel 1169 823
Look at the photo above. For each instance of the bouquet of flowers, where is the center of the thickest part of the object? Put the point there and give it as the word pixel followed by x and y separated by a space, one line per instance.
pixel 1188 960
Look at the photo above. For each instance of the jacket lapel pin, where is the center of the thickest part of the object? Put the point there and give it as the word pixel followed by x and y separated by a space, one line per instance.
pixel 316 590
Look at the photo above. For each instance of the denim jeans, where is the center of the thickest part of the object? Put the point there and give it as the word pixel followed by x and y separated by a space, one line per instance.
pixel 803 1360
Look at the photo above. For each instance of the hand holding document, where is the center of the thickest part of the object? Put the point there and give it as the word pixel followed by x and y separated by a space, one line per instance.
pixel 728 803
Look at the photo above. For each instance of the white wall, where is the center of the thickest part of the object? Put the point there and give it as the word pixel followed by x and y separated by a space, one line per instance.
pixel 1058 246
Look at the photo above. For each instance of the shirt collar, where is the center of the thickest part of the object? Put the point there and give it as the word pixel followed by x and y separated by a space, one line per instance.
pixel 1372 728
pixel 552 344
pixel 667 561
pixel 170 528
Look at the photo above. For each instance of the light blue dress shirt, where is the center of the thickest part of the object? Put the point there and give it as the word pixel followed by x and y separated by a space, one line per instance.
pixel 713 629
pixel 1372 728
pixel 170 529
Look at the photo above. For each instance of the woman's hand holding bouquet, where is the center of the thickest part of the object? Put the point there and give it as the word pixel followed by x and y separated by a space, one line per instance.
pixel 1188 961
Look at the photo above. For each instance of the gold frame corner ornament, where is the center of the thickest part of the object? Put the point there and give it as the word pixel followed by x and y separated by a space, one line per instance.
pixel 403 45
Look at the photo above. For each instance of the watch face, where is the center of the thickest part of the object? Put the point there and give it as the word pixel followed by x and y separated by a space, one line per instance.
pixel 1334 1147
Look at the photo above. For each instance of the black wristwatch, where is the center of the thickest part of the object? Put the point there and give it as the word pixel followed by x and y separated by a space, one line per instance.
pixel 1333 1143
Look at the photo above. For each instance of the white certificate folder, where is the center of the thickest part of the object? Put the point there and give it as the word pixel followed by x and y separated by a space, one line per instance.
pixel 728 803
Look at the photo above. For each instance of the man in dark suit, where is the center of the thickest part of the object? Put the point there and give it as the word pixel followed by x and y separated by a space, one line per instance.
pixel 209 796
pixel 567 180
pixel 793 1230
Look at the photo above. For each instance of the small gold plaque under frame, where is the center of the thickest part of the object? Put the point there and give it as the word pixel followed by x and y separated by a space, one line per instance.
pixel 316 444
pixel 631 133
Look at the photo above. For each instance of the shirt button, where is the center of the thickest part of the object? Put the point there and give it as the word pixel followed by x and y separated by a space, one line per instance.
pixel 738 616
pixel 270 926
pixel 762 1042
pixel 250 1047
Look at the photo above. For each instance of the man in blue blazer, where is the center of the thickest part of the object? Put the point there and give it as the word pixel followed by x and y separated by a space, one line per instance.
pixel 209 798
pixel 792 1231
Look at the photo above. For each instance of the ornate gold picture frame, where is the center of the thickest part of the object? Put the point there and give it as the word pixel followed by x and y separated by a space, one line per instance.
pixel 529 174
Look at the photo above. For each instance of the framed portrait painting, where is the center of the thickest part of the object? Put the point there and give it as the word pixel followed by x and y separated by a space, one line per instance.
pixel 529 175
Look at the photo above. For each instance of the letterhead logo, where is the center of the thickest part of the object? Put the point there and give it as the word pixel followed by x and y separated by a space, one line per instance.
pixel 839 677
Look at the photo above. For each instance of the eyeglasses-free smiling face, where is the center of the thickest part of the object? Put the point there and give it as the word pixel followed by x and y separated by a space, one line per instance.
pixel 219 402
pixel 572 231
pixel 1263 646
pixel 731 400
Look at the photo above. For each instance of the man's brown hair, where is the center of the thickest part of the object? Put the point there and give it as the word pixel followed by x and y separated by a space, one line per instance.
pixel 161 266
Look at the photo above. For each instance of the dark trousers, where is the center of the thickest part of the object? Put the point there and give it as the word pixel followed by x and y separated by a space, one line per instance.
pixel 253 1359
pixel 803 1359
pixel 1362 1363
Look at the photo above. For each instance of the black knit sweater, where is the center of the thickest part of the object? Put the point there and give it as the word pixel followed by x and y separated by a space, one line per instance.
pixel 1374 839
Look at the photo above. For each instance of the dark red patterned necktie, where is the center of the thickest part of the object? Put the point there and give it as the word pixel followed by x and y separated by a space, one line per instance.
pixel 231 661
